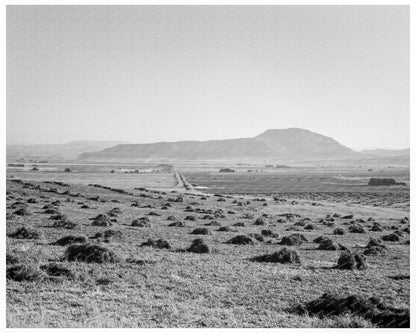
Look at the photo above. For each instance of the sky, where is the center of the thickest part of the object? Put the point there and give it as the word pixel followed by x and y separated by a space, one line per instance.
pixel 168 73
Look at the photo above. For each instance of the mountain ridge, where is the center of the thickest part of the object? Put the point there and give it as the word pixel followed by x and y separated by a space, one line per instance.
pixel 57 151
pixel 295 143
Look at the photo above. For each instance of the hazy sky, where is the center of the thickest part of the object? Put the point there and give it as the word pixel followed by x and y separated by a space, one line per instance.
pixel 167 73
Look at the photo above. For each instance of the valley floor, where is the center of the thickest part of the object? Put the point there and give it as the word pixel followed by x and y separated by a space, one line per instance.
pixel 171 287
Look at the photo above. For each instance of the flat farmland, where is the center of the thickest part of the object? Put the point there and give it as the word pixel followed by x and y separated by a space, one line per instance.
pixel 123 178
pixel 144 271
pixel 296 181
pixel 151 252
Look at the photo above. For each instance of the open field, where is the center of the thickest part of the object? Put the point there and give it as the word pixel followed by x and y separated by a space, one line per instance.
pixel 294 181
pixel 146 286
pixel 124 176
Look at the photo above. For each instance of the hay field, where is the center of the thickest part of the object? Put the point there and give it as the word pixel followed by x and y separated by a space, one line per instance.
pixel 101 278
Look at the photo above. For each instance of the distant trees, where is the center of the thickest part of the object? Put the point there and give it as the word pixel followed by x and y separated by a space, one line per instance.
pixel 226 170
pixel 383 182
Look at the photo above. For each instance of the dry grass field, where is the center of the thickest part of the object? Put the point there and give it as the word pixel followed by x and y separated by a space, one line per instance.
pixel 135 265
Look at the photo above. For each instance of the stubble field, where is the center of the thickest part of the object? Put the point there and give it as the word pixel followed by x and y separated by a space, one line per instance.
pixel 112 279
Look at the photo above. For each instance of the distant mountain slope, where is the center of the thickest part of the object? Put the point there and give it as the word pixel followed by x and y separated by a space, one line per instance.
pixel 387 152
pixel 68 150
pixel 293 143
